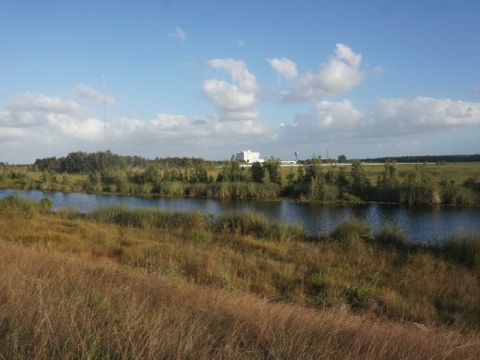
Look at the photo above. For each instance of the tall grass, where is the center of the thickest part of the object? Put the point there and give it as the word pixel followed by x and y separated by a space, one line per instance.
pixel 149 218
pixel 352 232
pixel 392 235
pixel 464 248
pixel 85 308
pixel 251 223
pixel 15 205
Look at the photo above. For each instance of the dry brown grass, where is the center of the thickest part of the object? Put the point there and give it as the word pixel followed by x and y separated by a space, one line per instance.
pixel 62 306
pixel 73 288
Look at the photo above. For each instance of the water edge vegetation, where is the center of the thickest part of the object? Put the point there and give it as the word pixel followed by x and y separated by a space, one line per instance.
pixel 315 179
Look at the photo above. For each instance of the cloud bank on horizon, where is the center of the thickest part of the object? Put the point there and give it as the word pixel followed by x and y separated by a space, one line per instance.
pixel 277 105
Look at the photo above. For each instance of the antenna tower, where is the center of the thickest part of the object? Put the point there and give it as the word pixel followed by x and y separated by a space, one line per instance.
pixel 105 113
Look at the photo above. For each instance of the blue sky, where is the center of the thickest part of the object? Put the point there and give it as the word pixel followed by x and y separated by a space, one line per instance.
pixel 210 78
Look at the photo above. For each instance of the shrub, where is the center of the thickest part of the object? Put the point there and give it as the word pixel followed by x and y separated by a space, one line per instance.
pixel 46 204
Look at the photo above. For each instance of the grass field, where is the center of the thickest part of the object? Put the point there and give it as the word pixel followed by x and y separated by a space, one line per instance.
pixel 121 283
pixel 458 172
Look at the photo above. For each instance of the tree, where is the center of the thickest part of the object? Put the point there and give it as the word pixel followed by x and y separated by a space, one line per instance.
pixel 257 172
pixel 360 183
pixel 389 176
pixel 314 171
pixel 342 159
pixel 231 171
pixel 291 177
pixel 272 165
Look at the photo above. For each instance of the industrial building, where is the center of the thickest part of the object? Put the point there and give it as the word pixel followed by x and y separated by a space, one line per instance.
pixel 248 156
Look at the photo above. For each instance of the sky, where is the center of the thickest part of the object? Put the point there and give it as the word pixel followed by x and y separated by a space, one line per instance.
pixel 210 78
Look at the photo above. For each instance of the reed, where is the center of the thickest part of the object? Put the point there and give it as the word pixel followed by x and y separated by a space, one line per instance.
pixel 465 249
pixel 148 218
pixel 352 232
pixel 392 235
pixel 251 223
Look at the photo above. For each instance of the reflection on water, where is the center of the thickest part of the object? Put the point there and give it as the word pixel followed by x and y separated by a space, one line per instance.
pixel 419 223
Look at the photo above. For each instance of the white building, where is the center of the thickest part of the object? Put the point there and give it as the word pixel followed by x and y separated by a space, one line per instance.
pixel 248 156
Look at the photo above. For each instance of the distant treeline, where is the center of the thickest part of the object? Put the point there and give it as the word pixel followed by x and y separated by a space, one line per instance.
pixel 81 162
pixel 425 158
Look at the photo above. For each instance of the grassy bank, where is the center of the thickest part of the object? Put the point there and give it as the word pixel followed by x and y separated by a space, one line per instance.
pixel 119 283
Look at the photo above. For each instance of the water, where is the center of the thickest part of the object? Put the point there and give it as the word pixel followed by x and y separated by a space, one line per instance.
pixel 420 224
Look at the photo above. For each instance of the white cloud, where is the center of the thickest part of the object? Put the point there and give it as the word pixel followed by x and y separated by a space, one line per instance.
pixel 378 70
pixel 239 72
pixel 384 119
pixel 234 102
pixel 423 114
pixel 87 93
pixel 475 89
pixel 339 75
pixel 70 128
pixel 329 116
pixel 46 104
pixel 179 34
pixel 345 53
pixel 39 126
pixel 285 68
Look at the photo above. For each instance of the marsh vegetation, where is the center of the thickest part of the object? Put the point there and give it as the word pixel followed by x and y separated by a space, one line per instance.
pixel 314 179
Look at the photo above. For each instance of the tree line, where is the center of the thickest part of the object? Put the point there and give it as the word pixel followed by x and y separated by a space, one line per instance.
pixel 426 159
pixel 81 162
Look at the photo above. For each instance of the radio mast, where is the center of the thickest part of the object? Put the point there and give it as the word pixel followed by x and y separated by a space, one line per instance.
pixel 105 113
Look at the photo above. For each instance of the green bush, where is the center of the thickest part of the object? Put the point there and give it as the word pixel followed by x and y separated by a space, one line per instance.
pixel 46 203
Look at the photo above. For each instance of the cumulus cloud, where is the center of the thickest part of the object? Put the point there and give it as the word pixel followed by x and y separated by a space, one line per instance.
pixel 39 126
pixel 68 127
pixel 339 75
pixel 423 114
pixel 239 72
pixel 46 104
pixel 234 102
pixel 329 116
pixel 285 68
pixel 178 34
pixel 384 119
pixel 84 92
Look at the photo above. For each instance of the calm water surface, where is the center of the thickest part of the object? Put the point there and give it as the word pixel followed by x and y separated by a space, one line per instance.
pixel 421 224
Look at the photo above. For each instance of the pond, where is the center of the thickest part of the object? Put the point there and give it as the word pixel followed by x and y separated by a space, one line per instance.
pixel 420 224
